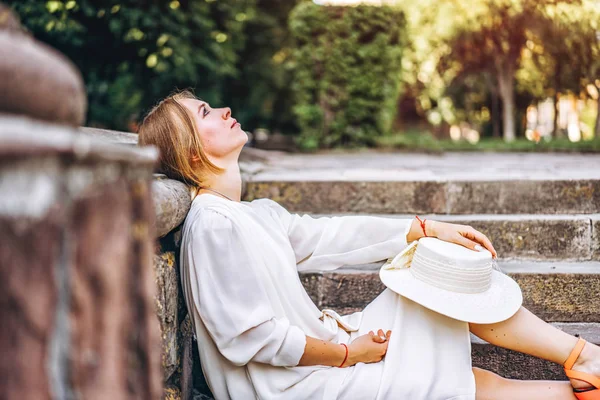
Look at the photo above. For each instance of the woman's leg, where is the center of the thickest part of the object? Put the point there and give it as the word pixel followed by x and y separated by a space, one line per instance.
pixel 526 333
pixel 490 386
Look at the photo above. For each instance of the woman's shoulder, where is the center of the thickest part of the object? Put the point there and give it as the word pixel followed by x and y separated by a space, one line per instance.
pixel 211 215
pixel 269 204
pixel 207 218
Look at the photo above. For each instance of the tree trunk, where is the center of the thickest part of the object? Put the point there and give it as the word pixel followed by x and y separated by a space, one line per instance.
pixel 557 132
pixel 495 116
pixel 557 73
pixel 495 112
pixel 597 128
pixel 507 95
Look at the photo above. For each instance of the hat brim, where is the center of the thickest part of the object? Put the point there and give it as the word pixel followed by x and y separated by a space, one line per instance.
pixel 501 301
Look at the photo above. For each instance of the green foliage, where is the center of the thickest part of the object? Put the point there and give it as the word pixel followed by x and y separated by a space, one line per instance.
pixel 133 52
pixel 346 67
pixel 460 51
pixel 260 95
pixel 424 141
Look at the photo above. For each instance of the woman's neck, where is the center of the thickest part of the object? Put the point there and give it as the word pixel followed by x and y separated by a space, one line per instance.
pixel 228 184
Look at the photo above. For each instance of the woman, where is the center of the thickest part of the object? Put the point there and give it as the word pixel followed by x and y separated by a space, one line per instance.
pixel 260 335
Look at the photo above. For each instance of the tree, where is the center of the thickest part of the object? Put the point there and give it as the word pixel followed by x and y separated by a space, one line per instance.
pixel 496 45
pixel 588 57
pixel 567 38
pixel 454 41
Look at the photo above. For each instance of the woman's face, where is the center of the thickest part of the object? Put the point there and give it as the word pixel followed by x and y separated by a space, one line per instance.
pixel 220 134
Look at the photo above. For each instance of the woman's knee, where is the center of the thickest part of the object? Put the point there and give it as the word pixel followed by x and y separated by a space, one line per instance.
pixel 487 384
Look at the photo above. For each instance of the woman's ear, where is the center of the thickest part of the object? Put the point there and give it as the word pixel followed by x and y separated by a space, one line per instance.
pixel 195 158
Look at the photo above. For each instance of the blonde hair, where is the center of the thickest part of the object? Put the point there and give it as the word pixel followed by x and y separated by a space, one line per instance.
pixel 170 127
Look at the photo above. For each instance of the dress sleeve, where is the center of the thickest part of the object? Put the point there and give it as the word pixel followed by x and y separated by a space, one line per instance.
pixel 231 299
pixel 327 243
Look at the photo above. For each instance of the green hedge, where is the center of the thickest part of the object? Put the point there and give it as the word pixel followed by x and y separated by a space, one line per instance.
pixel 132 53
pixel 346 66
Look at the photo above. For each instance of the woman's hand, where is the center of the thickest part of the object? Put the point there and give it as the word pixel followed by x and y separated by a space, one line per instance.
pixel 465 235
pixel 368 348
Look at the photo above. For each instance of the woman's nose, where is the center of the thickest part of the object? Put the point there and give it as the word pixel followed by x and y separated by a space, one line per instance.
pixel 227 113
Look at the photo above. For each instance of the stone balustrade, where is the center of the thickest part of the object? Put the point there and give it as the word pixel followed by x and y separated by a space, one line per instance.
pixel 77 291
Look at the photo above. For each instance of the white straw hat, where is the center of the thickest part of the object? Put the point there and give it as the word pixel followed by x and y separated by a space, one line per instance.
pixel 453 280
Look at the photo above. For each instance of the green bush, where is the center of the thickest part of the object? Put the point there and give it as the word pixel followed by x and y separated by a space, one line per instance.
pixel 260 95
pixel 132 53
pixel 346 72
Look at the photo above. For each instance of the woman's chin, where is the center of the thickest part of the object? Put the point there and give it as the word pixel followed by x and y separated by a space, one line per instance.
pixel 246 138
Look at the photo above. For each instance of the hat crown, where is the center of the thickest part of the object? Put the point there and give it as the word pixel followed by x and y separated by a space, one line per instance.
pixel 452 266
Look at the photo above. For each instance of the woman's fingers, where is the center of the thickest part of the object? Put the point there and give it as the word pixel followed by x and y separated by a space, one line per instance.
pixel 468 243
pixel 472 237
pixel 481 238
pixel 380 336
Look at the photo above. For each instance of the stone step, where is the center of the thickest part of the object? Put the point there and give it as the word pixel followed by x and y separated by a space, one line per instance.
pixel 516 365
pixel 441 197
pixel 554 291
pixel 542 237
pixel 452 183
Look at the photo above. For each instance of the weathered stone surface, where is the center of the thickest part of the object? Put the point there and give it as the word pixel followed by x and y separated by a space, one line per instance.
pixel 23 136
pixel 524 197
pixel 515 365
pixel 595 220
pixel 117 137
pixel 30 257
pixel 559 237
pixel 172 202
pixel 551 294
pixel 38 81
pixel 451 197
pixel 76 221
pixel 313 283
pixel 377 165
pixel 113 325
pixel 342 196
pixel 561 297
pixel 172 393
pixel 193 383
pixel 167 307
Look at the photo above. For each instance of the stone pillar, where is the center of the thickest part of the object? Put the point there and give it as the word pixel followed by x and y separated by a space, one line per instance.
pixel 77 284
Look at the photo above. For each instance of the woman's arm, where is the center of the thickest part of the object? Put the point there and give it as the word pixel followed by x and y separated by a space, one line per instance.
pixel 464 235
pixel 322 352
pixel 327 243
pixel 416 232
pixel 366 348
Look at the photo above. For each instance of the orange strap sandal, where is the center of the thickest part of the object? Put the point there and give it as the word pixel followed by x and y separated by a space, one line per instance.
pixel 582 394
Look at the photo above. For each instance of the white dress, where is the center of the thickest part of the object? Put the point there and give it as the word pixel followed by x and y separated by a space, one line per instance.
pixel 251 314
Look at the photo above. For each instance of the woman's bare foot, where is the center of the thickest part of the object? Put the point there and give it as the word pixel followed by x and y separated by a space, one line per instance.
pixel 588 362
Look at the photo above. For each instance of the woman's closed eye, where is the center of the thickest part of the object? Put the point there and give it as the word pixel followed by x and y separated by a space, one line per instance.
pixel 205 112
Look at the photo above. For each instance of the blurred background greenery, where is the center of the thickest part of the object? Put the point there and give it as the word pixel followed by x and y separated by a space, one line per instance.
pixel 432 74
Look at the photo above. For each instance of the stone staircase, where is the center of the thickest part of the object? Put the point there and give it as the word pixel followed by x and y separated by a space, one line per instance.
pixel 541 212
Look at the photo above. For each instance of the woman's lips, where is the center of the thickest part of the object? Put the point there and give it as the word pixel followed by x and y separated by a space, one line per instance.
pixel 234 122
